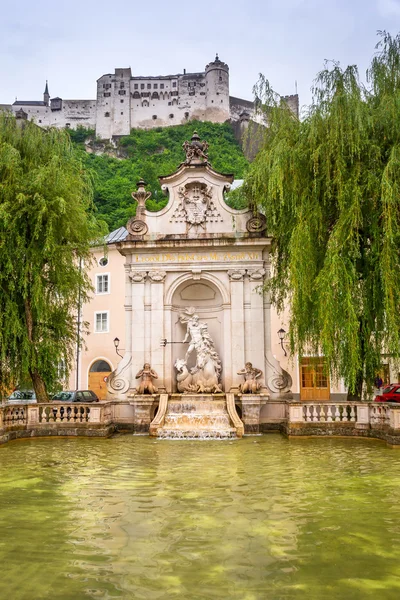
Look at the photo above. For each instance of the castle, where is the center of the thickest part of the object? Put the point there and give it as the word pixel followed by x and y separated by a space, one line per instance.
pixel 125 101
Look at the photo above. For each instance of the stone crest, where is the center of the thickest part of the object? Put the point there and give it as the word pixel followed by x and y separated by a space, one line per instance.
pixel 195 202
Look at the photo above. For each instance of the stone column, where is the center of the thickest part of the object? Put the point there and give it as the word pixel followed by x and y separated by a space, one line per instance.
pixel 237 324
pixel 138 332
pixel 156 279
pixel 256 345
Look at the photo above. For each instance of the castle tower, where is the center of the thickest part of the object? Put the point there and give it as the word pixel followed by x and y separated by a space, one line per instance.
pixel 46 95
pixel 217 90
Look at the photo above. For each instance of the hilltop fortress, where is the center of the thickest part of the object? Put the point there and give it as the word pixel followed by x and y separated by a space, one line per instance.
pixel 125 101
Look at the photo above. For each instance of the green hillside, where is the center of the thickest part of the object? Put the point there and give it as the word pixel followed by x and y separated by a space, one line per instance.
pixel 148 154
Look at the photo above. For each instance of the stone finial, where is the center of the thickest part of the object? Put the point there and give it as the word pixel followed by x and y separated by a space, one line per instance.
pixel 137 225
pixel 141 196
pixel 196 151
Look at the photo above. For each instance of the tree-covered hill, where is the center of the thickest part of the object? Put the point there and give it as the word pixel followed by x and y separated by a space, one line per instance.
pixel 149 154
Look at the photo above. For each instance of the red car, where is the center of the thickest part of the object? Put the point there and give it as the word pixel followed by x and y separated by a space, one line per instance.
pixel 390 393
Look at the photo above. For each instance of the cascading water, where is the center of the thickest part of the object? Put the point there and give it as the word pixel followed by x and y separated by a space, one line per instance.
pixel 197 417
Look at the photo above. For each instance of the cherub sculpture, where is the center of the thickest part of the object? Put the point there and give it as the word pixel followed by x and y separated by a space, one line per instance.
pixel 250 374
pixel 147 375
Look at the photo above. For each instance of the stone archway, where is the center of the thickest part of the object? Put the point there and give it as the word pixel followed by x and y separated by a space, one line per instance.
pixel 206 298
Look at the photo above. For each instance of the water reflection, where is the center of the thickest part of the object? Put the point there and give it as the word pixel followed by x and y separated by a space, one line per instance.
pixel 251 519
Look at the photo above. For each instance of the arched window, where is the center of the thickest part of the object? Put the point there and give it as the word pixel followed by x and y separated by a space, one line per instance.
pixel 100 366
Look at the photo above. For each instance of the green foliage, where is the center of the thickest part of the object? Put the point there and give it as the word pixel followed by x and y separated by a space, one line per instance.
pixel 330 188
pixel 149 154
pixel 46 225
pixel 237 198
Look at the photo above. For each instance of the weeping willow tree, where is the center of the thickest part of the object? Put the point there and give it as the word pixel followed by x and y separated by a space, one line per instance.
pixel 46 226
pixel 329 185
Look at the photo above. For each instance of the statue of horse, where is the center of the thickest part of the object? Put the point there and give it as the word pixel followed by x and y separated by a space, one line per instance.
pixel 198 381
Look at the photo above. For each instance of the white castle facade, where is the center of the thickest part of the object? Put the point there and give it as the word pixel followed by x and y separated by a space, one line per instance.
pixel 125 101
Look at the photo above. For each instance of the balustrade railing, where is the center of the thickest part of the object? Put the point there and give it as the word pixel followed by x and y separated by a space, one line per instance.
pixel 64 413
pixel 323 412
pixel 14 415
pixel 379 414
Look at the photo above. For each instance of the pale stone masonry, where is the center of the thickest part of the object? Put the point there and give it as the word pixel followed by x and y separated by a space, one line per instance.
pixel 125 101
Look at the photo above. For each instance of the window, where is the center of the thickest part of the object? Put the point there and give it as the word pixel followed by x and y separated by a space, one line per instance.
pixel 155 86
pixel 106 114
pixel 136 86
pixel 122 85
pixel 121 101
pixel 161 86
pixel 136 95
pixel 101 322
pixel 122 92
pixel 154 117
pixel 122 113
pixel 103 284
pixel 171 116
pixel 149 86
pixel 174 84
pixel 186 115
pixel 103 262
pixel 106 94
pixel 142 86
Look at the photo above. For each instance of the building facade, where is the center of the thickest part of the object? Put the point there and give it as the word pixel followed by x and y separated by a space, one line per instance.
pixel 125 101
pixel 200 254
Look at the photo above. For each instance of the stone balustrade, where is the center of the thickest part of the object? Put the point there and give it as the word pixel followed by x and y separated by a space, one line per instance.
pixel 310 418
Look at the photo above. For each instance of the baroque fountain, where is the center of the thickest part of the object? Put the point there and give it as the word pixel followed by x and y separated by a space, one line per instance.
pixel 193 272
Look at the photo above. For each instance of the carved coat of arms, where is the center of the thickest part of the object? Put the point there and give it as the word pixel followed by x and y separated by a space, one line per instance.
pixel 195 198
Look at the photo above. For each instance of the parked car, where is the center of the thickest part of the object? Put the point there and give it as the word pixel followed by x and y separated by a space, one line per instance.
pixel 22 397
pixel 390 393
pixel 76 396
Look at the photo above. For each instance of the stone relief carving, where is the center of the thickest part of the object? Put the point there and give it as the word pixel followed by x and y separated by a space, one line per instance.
pixel 257 223
pixel 251 375
pixel 146 375
pixel 196 151
pixel 279 381
pixel 157 276
pixel 204 377
pixel 118 380
pixel 195 203
pixel 137 276
pixel 236 274
pixel 256 274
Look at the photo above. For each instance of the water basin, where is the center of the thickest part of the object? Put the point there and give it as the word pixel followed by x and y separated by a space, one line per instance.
pixel 262 518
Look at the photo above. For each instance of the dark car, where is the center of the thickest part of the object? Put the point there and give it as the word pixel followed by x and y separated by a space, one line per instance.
pixel 22 397
pixel 390 393
pixel 76 396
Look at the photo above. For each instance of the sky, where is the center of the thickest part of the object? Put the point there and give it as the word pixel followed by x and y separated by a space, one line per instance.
pixel 71 43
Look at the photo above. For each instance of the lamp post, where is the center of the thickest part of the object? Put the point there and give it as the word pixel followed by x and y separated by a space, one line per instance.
pixel 116 344
pixel 281 335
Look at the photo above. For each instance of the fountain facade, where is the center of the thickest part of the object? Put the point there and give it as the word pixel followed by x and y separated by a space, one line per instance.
pixel 193 272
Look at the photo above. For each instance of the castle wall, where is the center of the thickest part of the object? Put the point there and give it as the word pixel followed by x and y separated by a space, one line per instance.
pixel 124 102
pixel 72 114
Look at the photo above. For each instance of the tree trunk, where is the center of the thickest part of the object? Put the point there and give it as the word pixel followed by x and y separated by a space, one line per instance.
pixel 39 386
pixel 37 380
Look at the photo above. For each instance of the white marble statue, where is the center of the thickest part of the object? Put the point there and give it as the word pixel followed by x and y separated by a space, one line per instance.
pixel 204 377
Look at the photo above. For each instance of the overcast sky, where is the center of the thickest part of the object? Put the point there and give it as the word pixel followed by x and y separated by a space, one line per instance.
pixel 73 43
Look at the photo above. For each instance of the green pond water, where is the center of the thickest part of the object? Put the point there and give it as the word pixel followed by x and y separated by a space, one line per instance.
pixel 258 518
